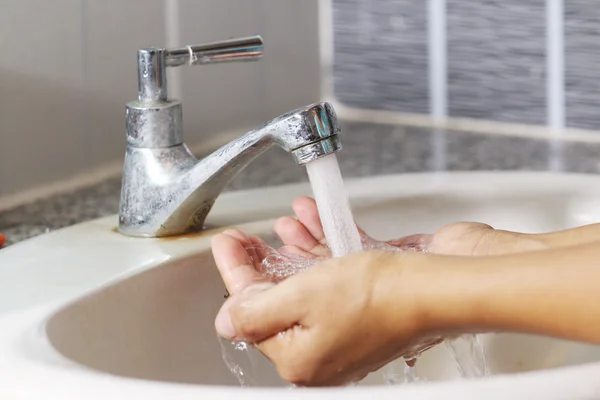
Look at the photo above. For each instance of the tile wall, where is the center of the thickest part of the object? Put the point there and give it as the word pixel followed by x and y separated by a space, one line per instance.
pixel 533 62
pixel 68 68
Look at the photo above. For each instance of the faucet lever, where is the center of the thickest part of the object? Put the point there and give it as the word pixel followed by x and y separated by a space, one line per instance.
pixel 152 62
pixel 243 49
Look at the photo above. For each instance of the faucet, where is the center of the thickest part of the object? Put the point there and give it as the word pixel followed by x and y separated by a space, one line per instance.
pixel 165 189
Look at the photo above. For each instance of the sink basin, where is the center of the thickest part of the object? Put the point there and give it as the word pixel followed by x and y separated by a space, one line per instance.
pixel 88 312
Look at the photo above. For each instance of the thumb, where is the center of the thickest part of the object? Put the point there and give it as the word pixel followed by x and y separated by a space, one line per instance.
pixel 261 315
pixel 223 322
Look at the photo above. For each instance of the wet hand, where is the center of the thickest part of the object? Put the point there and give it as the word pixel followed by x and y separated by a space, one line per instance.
pixel 304 236
pixel 239 257
pixel 335 323
pixel 474 239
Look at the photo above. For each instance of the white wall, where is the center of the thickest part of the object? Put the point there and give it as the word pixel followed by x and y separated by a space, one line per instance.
pixel 68 68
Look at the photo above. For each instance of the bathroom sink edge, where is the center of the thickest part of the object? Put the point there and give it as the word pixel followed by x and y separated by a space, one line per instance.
pixel 97 236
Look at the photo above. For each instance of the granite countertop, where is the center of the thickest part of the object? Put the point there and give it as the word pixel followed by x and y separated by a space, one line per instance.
pixel 369 149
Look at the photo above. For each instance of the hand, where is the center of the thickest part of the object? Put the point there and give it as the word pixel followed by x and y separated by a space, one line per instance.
pixel 335 323
pixel 238 259
pixel 474 239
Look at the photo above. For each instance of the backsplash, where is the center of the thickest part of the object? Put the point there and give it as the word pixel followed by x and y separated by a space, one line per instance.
pixel 495 58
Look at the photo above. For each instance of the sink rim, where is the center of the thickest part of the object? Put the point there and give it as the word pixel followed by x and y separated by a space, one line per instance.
pixel 22 317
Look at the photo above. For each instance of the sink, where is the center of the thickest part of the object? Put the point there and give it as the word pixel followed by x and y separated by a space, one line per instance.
pixel 87 309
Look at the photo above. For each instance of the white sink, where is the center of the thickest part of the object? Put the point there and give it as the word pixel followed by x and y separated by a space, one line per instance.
pixel 88 313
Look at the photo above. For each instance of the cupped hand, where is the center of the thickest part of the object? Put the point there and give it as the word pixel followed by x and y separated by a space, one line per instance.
pixel 323 326
pixel 239 257
pixel 336 322
pixel 305 323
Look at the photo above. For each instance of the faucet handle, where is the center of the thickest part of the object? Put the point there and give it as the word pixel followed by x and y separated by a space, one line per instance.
pixel 152 62
pixel 242 49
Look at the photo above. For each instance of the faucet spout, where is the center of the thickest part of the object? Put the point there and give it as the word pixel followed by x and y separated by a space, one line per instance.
pixel 167 191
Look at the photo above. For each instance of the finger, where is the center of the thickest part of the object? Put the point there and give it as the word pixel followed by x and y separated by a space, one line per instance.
pixel 256 241
pixel 246 243
pixel 234 263
pixel 293 233
pixel 223 323
pixel 258 250
pixel 308 215
pixel 288 348
pixel 267 313
pixel 296 251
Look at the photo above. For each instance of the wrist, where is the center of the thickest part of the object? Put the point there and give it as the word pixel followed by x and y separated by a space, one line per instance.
pixel 429 294
pixel 403 294
pixel 507 242
pixel 445 293
pixel 474 294
pixel 526 242
pixel 571 237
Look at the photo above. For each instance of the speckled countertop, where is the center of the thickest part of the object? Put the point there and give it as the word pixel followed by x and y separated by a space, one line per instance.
pixel 369 149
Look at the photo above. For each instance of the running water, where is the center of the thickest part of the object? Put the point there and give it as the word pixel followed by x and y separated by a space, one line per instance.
pixel 408 374
pixel 334 207
pixel 468 355
pixel 232 353
pixel 343 238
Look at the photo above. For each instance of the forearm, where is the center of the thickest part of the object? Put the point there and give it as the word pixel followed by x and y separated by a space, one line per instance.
pixel 571 237
pixel 553 292
pixel 499 242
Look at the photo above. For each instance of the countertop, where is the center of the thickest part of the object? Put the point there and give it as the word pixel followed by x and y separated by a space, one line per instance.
pixel 369 149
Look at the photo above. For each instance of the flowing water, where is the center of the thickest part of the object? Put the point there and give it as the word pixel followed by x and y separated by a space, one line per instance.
pixel 469 356
pixel 334 207
pixel 343 238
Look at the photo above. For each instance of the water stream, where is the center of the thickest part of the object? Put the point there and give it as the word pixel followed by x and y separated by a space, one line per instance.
pixel 343 238
pixel 334 207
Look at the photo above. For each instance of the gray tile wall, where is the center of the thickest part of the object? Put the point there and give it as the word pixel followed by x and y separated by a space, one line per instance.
pixel 496 58
pixel 582 63
pixel 381 54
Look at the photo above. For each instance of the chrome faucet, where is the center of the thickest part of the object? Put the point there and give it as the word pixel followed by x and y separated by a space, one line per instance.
pixel 167 191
